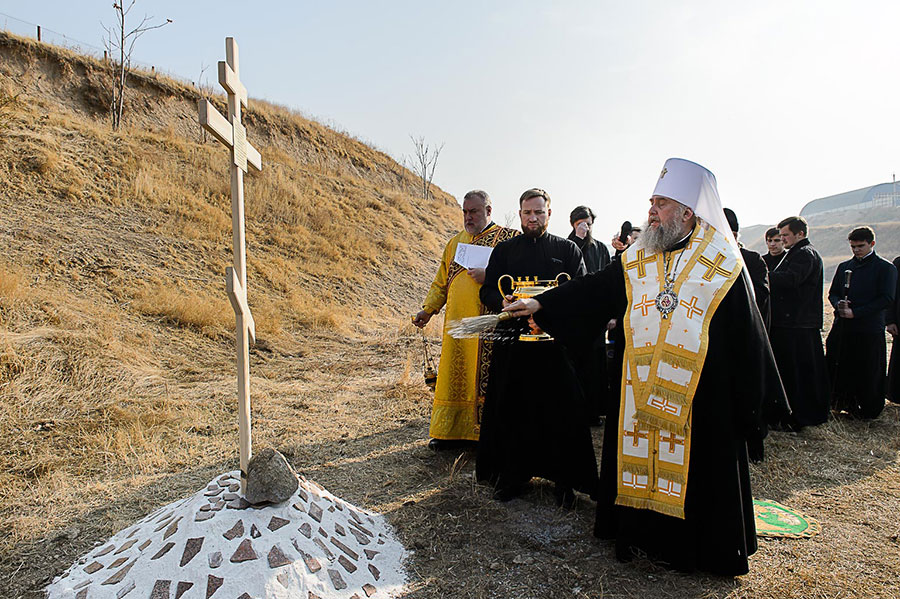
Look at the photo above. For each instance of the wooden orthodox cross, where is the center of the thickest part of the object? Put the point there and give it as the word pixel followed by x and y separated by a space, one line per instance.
pixel 231 132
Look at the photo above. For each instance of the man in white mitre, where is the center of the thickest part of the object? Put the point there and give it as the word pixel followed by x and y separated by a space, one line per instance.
pixel 675 482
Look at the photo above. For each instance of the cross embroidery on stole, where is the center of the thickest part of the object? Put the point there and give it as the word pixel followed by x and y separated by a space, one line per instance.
pixel 692 308
pixel 644 304
pixel 714 268
pixel 640 263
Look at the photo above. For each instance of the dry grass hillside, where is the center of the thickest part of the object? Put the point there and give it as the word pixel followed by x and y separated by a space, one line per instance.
pixel 117 385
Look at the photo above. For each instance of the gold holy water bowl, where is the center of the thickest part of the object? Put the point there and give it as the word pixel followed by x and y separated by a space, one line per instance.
pixel 527 287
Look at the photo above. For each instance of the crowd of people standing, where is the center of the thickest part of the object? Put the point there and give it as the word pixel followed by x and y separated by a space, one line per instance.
pixel 712 345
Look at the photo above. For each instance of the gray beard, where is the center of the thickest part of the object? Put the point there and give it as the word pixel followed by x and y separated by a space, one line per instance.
pixel 661 238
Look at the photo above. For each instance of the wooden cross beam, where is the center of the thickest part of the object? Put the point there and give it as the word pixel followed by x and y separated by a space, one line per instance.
pixel 232 134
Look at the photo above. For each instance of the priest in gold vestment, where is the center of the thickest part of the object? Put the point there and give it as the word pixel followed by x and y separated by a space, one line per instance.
pixel 463 370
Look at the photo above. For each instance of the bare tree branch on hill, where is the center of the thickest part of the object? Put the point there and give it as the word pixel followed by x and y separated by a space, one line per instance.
pixel 425 162
pixel 118 42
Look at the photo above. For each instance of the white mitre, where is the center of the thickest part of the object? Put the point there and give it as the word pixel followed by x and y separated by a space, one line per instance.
pixel 694 186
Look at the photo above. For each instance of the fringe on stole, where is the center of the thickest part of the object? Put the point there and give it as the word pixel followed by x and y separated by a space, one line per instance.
pixel 675 477
pixel 676 397
pixel 649 418
pixel 643 359
pixel 641 469
pixel 679 361
pixel 645 503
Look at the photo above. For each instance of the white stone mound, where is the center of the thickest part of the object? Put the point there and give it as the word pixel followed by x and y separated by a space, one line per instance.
pixel 214 545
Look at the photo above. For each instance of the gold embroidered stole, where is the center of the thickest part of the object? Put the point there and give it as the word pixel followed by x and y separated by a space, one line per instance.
pixel 663 362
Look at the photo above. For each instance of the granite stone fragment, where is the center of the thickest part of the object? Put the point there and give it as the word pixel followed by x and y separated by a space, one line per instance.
pixel 306 530
pixel 344 548
pixel 348 565
pixel 270 479
pixel 277 558
pixel 362 528
pixel 118 562
pixel 361 538
pixel 203 516
pixel 235 531
pixel 355 516
pixel 311 562
pixel 104 551
pixel 172 529
pixel 133 532
pixel 370 553
pixel 93 567
pixel 312 595
pixel 126 546
pixel 160 589
pixel 218 505
pixel 337 580
pixel 182 588
pixel 120 575
pixel 254 532
pixel 340 529
pixel 315 512
pixel 213 493
pixel 191 548
pixel 81 584
pixel 283 578
pixel 164 550
pixel 369 589
pixel 215 559
pixel 303 495
pixel 144 545
pixel 275 523
pixel 212 584
pixel 323 532
pixel 127 588
pixel 244 552
pixel 234 487
pixel 299 507
pixel 230 496
pixel 376 574
pixel 244 596
pixel 325 549
pixel 82 594
pixel 238 504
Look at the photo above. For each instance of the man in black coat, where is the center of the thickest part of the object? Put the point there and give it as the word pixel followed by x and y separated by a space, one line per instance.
pixel 892 318
pixel 639 498
pixel 797 311
pixel 862 290
pixel 535 420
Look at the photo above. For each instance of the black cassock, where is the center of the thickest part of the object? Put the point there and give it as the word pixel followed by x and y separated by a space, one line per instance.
pixel 856 351
pixel 893 317
pixel 718 532
pixel 590 360
pixel 797 309
pixel 535 421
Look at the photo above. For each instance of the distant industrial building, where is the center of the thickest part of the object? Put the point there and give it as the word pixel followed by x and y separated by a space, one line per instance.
pixel 883 195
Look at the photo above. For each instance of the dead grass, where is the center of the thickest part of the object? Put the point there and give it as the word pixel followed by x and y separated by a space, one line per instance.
pixel 116 361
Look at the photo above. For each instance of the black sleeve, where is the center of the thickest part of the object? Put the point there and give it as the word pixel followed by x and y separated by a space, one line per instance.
pixel 573 311
pixel 793 271
pixel 751 357
pixel 575 261
pixel 834 292
pixel 885 288
pixel 892 316
pixel 604 256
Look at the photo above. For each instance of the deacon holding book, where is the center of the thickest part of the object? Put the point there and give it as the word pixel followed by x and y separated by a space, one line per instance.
pixel 675 481
pixel 463 370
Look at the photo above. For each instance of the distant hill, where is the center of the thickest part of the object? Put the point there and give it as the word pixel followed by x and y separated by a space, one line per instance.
pixel 828 233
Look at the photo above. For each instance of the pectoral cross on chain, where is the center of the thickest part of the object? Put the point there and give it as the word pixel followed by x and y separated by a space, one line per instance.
pixel 231 132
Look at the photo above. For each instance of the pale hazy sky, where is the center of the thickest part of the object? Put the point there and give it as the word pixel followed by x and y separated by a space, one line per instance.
pixel 784 101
